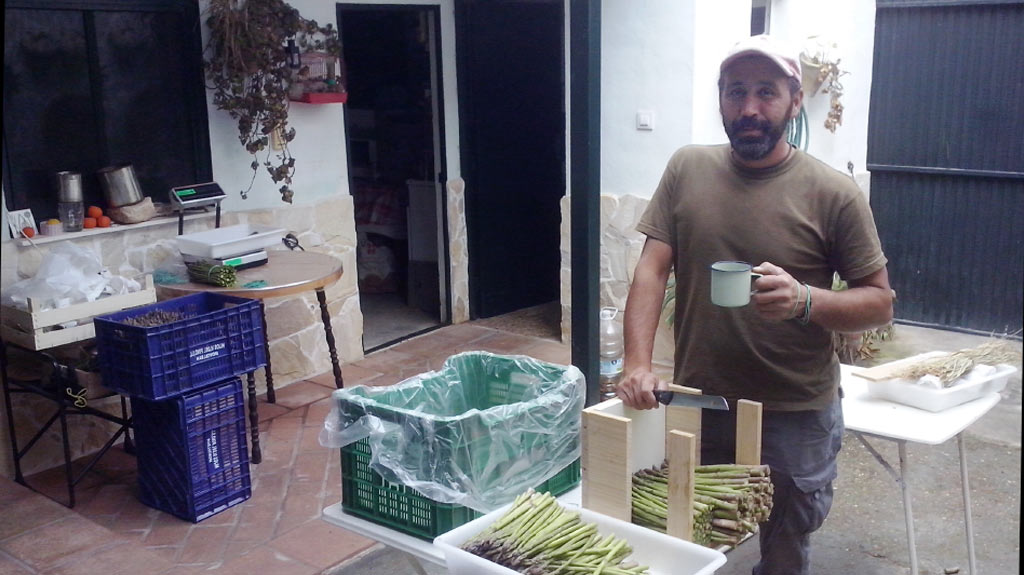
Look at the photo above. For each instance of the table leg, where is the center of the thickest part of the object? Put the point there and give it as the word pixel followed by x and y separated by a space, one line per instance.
pixel 907 510
pixel 256 456
pixel 965 485
pixel 325 315
pixel 67 454
pixel 10 415
pixel 268 371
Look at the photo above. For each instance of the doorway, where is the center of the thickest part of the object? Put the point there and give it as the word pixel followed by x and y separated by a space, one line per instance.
pixel 394 138
pixel 511 73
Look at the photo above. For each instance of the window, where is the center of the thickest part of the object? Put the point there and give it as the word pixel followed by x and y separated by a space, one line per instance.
pixel 90 84
pixel 760 10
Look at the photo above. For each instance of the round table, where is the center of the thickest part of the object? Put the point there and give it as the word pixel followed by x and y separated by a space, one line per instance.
pixel 285 273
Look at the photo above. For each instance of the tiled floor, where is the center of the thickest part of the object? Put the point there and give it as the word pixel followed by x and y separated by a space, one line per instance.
pixel 277 531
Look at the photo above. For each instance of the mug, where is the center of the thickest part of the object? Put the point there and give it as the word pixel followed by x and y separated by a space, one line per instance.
pixel 731 283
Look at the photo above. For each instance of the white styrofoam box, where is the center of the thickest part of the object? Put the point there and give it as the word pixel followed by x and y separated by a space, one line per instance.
pixel 230 241
pixel 664 555
pixel 914 394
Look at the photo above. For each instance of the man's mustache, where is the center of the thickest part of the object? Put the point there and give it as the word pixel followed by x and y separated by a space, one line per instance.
pixel 744 124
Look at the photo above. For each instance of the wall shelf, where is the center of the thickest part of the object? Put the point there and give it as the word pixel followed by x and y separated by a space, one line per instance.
pixel 322 98
pixel 40 239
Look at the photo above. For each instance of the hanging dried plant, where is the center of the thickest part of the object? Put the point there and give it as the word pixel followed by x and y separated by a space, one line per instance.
pixel 248 72
pixel 829 80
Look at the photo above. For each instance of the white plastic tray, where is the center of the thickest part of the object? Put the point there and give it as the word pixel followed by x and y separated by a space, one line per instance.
pixel 911 393
pixel 230 241
pixel 664 555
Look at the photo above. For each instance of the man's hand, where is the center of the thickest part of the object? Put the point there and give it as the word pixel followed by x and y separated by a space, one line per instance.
pixel 779 296
pixel 636 389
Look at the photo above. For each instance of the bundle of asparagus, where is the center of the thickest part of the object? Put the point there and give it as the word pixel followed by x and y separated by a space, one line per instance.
pixel 211 273
pixel 536 536
pixel 729 501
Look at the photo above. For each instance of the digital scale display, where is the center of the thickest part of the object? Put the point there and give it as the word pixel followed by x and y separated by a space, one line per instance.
pixel 195 196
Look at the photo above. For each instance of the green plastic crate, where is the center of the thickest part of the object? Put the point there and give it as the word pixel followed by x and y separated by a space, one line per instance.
pixel 367 495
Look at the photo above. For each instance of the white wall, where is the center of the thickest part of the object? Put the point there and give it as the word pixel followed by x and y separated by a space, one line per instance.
pixel 851 25
pixel 663 56
pixel 319 147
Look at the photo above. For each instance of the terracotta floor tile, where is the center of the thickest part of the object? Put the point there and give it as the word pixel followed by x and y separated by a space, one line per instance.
pixel 167 530
pixel 11 566
pixel 205 544
pixel 268 411
pixel 122 559
pixel 109 500
pixel 317 412
pixel 301 393
pixel 321 543
pixel 59 541
pixel 266 560
pixel 28 513
pixel 353 374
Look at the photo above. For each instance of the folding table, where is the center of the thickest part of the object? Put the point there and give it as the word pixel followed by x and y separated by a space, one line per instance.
pixel 869 416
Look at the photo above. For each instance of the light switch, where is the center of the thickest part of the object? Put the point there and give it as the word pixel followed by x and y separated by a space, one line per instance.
pixel 645 120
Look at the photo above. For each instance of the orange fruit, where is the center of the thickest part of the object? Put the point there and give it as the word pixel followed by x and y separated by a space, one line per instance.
pixel 103 222
pixel 94 212
pixel 89 222
pixel 28 232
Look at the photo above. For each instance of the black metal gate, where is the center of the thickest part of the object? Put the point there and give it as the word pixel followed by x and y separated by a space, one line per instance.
pixel 946 155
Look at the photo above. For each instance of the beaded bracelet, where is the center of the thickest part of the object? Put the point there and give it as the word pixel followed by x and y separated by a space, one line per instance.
pixel 805 318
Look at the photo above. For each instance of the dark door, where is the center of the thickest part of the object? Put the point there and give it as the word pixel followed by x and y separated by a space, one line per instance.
pixel 512 118
pixel 946 155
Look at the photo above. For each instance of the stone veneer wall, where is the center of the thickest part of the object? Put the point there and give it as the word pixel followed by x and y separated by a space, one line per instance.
pixel 297 345
pixel 620 250
pixel 458 250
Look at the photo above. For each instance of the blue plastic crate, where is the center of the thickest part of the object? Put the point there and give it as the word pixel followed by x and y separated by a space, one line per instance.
pixel 193 459
pixel 217 337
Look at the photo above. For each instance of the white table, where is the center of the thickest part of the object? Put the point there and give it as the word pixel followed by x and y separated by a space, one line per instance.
pixel 868 416
pixel 414 548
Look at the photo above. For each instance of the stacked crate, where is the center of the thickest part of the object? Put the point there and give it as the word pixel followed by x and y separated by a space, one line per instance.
pixel 179 360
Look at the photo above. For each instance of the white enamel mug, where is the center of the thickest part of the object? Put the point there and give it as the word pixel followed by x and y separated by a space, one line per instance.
pixel 731 283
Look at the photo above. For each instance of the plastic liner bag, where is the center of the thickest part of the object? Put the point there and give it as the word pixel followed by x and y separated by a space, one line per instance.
pixel 68 274
pixel 477 433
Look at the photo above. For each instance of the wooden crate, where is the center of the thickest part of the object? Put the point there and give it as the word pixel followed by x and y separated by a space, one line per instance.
pixel 619 441
pixel 33 328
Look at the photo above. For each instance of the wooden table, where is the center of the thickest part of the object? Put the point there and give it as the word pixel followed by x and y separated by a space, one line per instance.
pixel 285 273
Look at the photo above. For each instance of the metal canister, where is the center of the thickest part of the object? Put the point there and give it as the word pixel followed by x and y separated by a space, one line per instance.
pixel 70 209
pixel 120 186
pixel 69 187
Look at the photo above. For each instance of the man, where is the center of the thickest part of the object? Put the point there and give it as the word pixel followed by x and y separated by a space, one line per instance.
pixel 758 199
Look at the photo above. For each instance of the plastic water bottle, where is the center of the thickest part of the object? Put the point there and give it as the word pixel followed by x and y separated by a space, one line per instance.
pixel 611 353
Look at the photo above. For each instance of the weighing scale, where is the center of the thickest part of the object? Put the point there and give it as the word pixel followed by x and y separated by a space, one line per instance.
pixel 240 262
pixel 196 196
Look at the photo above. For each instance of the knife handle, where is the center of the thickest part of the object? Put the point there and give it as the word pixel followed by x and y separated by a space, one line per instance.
pixel 663 396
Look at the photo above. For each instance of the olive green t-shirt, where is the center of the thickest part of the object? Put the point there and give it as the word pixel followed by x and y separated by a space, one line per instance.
pixel 801 215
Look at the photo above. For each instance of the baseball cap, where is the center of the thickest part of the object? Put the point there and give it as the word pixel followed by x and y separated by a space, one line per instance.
pixel 764 45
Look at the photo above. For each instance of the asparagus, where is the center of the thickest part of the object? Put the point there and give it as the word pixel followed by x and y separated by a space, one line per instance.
pixel 536 536
pixel 729 501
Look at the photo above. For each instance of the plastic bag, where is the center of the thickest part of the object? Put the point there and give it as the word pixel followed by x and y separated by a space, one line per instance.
pixel 68 274
pixel 476 433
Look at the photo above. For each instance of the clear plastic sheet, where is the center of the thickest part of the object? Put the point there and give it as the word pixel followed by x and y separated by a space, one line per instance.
pixel 479 431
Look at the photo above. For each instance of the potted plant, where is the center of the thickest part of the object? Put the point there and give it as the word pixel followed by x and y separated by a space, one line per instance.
pixel 820 72
pixel 250 70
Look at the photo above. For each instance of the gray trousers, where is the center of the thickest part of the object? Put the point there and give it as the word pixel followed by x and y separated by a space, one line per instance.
pixel 801 447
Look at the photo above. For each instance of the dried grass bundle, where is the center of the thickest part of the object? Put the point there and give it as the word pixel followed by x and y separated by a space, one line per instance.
pixel 950 368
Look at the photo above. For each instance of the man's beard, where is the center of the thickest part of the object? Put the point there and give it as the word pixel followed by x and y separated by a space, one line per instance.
pixel 752 148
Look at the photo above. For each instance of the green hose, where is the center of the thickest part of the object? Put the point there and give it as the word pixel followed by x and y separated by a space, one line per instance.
pixel 797 132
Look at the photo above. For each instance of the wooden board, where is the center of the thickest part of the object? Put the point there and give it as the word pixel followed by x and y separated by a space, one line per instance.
pixel 886 371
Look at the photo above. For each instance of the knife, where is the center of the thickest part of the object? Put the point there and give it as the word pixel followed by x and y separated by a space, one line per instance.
pixel 682 399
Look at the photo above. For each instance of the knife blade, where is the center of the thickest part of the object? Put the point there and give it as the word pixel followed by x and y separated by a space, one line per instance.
pixel 674 399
